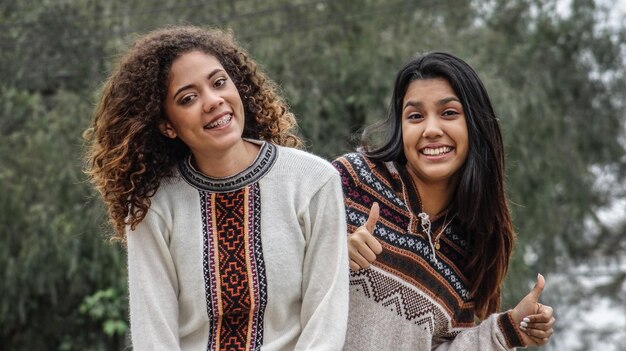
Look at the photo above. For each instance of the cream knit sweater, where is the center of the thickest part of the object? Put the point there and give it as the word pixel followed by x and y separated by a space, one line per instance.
pixel 257 261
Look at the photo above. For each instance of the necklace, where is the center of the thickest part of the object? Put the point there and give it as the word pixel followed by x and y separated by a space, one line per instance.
pixel 425 223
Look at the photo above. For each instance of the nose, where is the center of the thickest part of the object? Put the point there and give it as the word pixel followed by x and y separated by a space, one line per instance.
pixel 432 127
pixel 211 100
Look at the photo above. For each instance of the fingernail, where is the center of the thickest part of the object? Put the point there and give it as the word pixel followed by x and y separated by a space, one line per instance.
pixel 522 327
pixel 526 319
pixel 523 324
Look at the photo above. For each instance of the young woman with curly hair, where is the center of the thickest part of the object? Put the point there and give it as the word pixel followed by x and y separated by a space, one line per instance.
pixel 431 235
pixel 236 239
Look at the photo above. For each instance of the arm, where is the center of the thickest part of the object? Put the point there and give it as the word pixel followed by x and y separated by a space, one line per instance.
pixel 153 287
pixel 495 333
pixel 324 313
pixel 528 324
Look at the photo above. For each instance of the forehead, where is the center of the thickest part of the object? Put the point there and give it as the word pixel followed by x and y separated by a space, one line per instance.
pixel 192 65
pixel 429 89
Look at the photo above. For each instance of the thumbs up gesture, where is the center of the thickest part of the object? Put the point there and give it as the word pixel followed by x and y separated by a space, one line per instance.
pixel 362 245
pixel 535 320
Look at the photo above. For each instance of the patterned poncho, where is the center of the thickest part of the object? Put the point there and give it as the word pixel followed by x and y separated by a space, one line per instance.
pixel 415 296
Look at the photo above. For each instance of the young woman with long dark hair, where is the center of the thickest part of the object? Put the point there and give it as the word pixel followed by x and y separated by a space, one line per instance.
pixel 431 234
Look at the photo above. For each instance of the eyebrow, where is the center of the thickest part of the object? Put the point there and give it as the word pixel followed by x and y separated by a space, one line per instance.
pixel 439 103
pixel 185 87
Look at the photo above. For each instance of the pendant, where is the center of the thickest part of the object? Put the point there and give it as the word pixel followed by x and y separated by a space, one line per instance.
pixel 437 246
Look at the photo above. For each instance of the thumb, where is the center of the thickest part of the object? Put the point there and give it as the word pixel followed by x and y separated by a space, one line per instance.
pixel 373 217
pixel 535 293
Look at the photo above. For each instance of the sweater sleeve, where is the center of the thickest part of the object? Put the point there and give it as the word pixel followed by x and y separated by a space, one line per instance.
pixel 153 286
pixel 495 333
pixel 324 313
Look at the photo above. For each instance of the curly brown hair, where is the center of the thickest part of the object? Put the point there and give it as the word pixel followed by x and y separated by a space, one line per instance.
pixel 127 155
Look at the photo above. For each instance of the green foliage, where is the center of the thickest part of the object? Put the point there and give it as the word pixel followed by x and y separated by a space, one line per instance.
pixel 50 46
pixel 562 115
pixel 558 84
pixel 342 60
pixel 53 250
pixel 106 306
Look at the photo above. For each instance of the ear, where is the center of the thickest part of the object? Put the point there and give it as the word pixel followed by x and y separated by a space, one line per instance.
pixel 167 129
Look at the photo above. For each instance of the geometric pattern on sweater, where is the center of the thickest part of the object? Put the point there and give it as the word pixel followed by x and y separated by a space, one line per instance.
pixel 417 285
pixel 396 295
pixel 234 270
pixel 253 173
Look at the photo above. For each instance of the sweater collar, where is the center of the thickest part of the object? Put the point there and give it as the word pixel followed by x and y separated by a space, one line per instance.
pixel 253 173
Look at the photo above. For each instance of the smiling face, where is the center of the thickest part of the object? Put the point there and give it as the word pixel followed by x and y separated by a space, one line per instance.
pixel 434 131
pixel 203 105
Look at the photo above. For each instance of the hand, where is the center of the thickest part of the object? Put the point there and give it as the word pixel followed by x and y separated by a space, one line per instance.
pixel 535 320
pixel 362 245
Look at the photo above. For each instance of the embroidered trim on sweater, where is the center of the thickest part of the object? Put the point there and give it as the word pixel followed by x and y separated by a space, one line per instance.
pixel 511 333
pixel 417 288
pixel 234 269
pixel 399 297
pixel 365 185
pixel 261 165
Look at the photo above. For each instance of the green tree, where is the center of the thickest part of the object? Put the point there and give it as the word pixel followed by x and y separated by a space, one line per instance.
pixel 558 84
pixel 53 252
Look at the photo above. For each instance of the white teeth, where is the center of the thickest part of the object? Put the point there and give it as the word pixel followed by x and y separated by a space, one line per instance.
pixel 436 151
pixel 219 122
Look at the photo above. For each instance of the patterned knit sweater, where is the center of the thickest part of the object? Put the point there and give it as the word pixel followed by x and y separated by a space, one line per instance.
pixel 256 261
pixel 415 295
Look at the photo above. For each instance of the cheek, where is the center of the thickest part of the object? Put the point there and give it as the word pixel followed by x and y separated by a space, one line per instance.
pixel 407 147
pixel 463 150
pixel 408 141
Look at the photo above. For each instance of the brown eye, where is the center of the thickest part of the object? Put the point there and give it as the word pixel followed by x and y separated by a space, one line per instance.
pixel 219 82
pixel 450 113
pixel 186 100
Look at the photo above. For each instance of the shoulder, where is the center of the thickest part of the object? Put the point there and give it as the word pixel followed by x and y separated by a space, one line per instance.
pixel 301 174
pixel 355 165
pixel 304 163
pixel 352 160
pixel 172 192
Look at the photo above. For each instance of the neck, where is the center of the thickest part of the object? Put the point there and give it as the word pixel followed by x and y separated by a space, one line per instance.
pixel 435 196
pixel 227 163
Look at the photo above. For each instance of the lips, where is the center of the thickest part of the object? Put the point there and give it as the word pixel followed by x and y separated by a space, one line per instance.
pixel 436 151
pixel 221 121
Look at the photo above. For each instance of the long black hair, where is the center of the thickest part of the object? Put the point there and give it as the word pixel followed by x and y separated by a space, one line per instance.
pixel 479 200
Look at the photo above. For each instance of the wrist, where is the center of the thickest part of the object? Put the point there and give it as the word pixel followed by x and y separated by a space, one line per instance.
pixel 510 329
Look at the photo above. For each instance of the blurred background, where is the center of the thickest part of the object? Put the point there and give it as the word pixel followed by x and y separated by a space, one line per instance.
pixel 556 71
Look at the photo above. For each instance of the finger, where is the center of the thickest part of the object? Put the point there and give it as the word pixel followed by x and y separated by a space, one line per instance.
pixel 374 245
pixel 357 258
pixel 535 293
pixel 354 266
pixel 535 341
pixel 364 241
pixel 539 334
pixel 370 224
pixel 537 329
pixel 542 325
pixel 538 326
pixel 367 253
pixel 537 318
pixel 538 341
pixel 544 314
pixel 364 244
